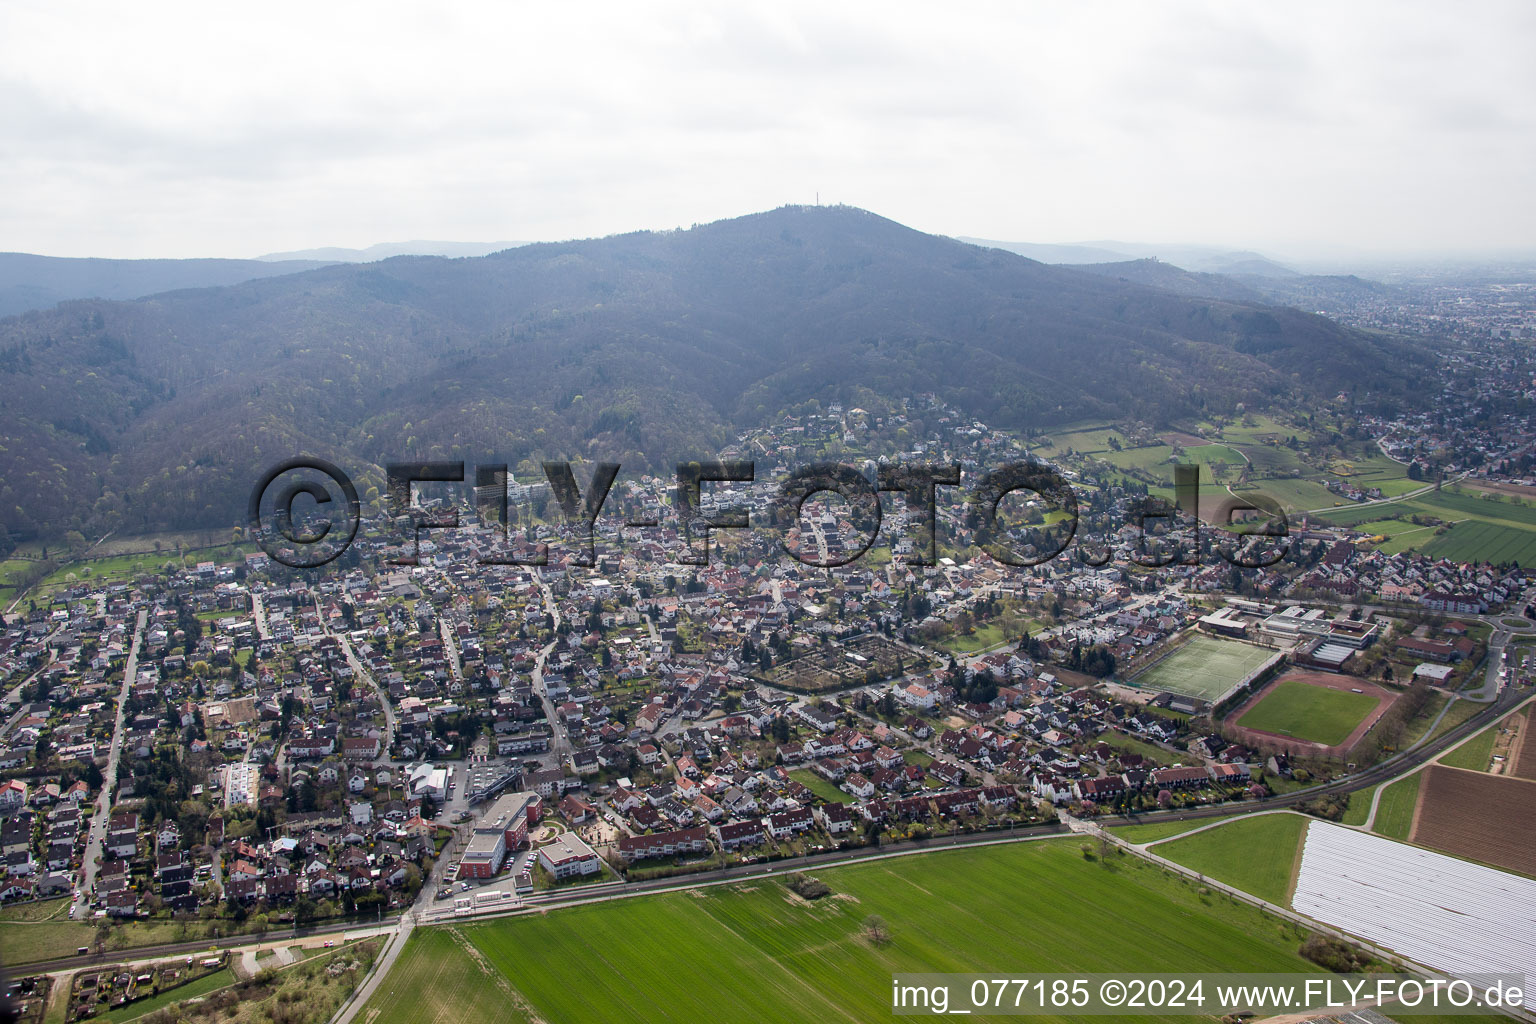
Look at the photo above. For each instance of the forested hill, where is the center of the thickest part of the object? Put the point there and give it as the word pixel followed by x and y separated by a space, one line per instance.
pixel 646 348
pixel 38 282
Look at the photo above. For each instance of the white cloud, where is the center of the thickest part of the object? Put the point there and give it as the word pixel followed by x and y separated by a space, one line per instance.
pixel 182 129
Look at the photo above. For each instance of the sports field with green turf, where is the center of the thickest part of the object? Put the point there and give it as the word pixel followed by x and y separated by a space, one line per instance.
pixel 1255 853
pixel 754 952
pixel 1206 667
pixel 1306 712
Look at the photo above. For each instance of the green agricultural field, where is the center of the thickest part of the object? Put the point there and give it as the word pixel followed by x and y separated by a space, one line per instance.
pixel 1456 504
pixel 1083 438
pixel 1395 488
pixel 441 977
pixel 1376 470
pixel 1255 853
pixel 1408 540
pixel 1206 667
pixel 1476 753
pixel 1484 542
pixel 22 942
pixel 1394 811
pixel 1401 535
pixel 1395 528
pixel 1354 515
pixel 1207 454
pixel 753 952
pixel 1482 529
pixel 1299 494
pixel 1154 458
pixel 1305 712
pixel 1252 428
pixel 1272 460
pixel 36 910
pixel 11 571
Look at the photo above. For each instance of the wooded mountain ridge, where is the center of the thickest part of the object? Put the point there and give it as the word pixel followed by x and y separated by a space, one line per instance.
pixel 646 348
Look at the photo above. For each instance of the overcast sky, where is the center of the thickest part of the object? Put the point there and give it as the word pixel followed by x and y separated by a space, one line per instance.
pixel 165 129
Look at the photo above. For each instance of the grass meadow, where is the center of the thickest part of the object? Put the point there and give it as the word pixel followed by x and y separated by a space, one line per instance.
pixel 1394 810
pixel 754 952
pixel 1255 853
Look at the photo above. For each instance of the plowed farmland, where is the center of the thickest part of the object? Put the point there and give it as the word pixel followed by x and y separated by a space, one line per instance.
pixel 1487 818
pixel 1523 757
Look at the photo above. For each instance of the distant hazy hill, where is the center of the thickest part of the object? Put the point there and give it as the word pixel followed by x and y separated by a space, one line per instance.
pixel 647 348
pixel 1198 258
pixel 1318 292
pixel 1157 274
pixel 37 282
pixel 1048 253
pixel 387 250
pixel 1245 277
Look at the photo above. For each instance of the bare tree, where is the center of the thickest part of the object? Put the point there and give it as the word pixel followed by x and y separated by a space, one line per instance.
pixel 876 930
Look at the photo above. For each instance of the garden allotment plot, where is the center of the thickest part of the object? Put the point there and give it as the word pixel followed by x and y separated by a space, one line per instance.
pixel 1206 668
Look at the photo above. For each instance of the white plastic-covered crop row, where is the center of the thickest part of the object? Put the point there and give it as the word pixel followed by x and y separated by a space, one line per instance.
pixel 1446 914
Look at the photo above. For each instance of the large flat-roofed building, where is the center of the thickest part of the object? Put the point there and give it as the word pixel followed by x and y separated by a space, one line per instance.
pixel 1295 623
pixel 1226 621
pixel 484 855
pixel 504 827
pixel 567 857
pixel 241 783
pixel 1347 633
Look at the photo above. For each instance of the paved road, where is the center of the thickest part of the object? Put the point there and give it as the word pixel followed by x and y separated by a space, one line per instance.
pixel 98 830
pixel 451 643
pixel 1494 678
pixel 259 614
pixel 560 743
pixel 361 671
pixel 1345 504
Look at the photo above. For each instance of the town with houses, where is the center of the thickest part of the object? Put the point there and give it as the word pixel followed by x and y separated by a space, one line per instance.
pixel 240 739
